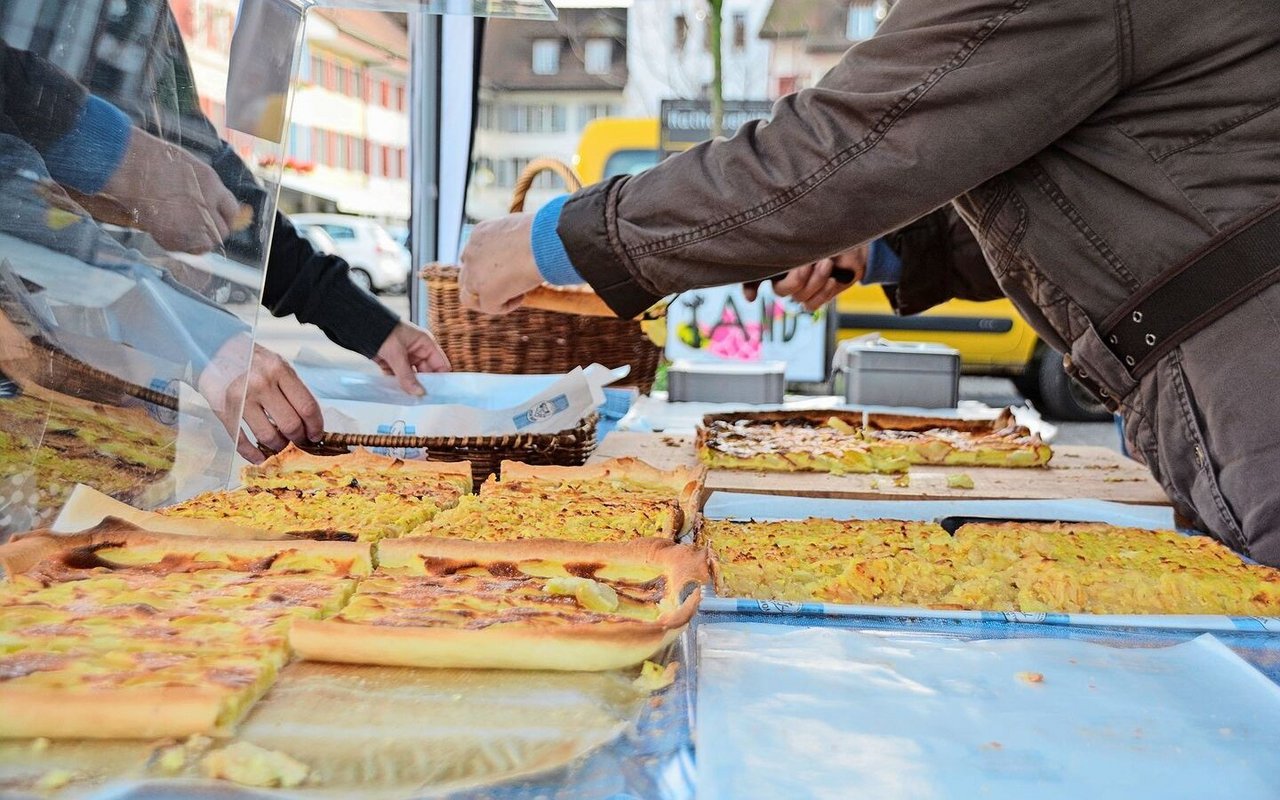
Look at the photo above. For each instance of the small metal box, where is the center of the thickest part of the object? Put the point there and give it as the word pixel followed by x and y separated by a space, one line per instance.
pixel 756 383
pixel 878 372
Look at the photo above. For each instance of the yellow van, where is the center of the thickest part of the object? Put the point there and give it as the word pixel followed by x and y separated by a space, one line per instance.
pixel 992 337
pixel 616 146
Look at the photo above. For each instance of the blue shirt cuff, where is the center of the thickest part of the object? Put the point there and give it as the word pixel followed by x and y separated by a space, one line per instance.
pixel 883 265
pixel 548 251
pixel 88 155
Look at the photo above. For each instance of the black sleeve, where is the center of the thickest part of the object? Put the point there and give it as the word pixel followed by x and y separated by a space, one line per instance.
pixel 317 288
pixel 941 261
pixel 39 103
pixel 314 287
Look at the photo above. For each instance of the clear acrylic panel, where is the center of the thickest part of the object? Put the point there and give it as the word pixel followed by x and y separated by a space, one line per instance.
pixel 141 150
pixel 130 216
pixel 521 9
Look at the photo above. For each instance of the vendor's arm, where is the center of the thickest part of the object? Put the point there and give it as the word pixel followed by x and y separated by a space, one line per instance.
pixel 315 288
pixel 939 259
pixel 944 97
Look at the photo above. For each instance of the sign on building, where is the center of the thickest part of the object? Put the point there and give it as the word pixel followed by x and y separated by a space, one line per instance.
pixel 685 123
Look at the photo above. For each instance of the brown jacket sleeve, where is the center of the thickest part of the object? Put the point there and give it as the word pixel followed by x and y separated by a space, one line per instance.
pixel 941 260
pixel 944 97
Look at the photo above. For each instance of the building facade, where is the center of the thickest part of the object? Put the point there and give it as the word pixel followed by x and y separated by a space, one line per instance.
pixel 540 84
pixel 346 143
pixel 809 37
pixel 349 127
pixel 670 54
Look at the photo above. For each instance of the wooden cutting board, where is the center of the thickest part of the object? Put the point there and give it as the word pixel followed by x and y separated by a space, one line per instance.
pixel 1075 472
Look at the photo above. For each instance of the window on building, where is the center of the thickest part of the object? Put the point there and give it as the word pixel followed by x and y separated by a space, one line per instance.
pixel 681 34
pixel 598 57
pixel 301 140
pixel 218 26
pixel 531 118
pixel 864 18
pixel 399 106
pixel 341 79
pixel 546 118
pixel 546 56
pixel 317 70
pixel 739 31
pixel 592 111
pixel 355 154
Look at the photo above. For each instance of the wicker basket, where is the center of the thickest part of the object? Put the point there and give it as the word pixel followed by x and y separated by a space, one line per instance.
pixel 567 448
pixel 533 340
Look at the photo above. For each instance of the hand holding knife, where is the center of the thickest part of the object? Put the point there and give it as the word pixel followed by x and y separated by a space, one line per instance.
pixel 813 285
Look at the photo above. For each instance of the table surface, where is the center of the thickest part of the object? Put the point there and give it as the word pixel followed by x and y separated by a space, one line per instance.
pixel 1075 472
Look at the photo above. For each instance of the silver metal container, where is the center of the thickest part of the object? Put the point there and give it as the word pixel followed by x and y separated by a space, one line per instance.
pixel 757 383
pixel 878 372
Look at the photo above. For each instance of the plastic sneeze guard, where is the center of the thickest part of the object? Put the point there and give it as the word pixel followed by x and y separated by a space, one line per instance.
pixel 829 713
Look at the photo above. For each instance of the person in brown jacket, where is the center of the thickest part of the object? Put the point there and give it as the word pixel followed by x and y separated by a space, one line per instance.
pixel 1093 147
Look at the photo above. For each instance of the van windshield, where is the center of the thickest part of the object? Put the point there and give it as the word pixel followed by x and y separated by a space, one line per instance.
pixel 630 162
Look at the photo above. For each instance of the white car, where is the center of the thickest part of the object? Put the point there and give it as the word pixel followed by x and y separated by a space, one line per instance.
pixel 377 262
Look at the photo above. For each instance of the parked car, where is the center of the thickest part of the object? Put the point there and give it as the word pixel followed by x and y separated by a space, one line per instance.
pixel 377 262
pixel 318 238
pixel 401 234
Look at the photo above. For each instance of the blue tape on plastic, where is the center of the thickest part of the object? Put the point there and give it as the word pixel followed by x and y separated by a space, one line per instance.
pixel 1181 622
pixel 544 410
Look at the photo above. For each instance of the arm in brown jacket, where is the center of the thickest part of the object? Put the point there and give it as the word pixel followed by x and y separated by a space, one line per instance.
pixel 941 260
pixel 944 97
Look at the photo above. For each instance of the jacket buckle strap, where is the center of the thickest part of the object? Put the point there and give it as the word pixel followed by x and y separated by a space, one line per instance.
pixel 1183 300
pixel 1090 384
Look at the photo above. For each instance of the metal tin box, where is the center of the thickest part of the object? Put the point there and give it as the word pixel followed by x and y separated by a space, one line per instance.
pixel 758 382
pixel 878 372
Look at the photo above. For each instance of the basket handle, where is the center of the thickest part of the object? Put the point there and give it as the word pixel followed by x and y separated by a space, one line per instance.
pixel 536 167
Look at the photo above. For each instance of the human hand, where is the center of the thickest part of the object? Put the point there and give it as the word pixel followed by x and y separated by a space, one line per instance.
pixel 278 407
pixel 498 266
pixel 173 196
pixel 813 285
pixel 407 351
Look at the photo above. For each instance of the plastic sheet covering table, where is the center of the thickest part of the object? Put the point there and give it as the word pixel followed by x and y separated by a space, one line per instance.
pixel 382 733
pixel 936 710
